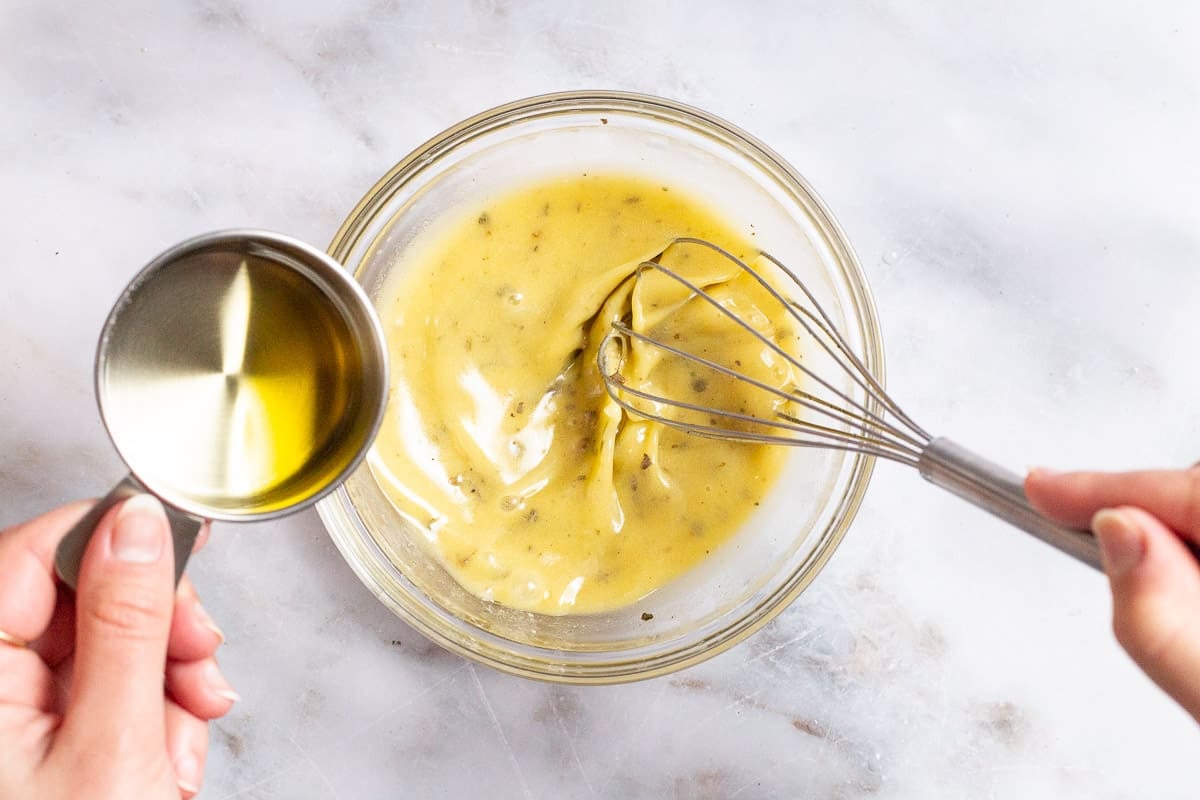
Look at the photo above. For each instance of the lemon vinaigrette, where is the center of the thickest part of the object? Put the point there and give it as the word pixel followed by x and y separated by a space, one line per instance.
pixel 532 486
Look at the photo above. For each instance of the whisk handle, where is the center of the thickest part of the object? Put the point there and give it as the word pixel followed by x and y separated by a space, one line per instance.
pixel 1002 492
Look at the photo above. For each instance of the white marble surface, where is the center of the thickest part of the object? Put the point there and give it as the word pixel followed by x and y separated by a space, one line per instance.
pixel 1020 183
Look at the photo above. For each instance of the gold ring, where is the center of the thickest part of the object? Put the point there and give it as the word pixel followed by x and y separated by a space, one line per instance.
pixel 12 641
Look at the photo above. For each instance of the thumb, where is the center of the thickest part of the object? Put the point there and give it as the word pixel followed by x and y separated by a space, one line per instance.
pixel 1156 599
pixel 123 616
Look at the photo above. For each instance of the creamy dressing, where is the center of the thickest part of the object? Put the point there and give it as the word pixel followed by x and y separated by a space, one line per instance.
pixel 532 486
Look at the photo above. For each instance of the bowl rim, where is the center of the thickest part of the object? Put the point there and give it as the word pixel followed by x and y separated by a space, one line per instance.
pixel 618 670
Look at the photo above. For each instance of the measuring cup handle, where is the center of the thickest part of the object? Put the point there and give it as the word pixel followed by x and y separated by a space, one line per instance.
pixel 68 557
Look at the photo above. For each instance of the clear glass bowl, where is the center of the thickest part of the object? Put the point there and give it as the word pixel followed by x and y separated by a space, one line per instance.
pixel 764 566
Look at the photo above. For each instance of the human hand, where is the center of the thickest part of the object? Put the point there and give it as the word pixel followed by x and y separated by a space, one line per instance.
pixel 112 695
pixel 1141 520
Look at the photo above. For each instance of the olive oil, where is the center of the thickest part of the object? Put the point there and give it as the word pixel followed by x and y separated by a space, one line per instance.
pixel 234 381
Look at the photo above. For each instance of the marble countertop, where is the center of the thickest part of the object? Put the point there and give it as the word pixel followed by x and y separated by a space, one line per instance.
pixel 1019 181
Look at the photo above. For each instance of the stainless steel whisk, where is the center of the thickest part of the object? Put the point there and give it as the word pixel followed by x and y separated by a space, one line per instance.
pixel 874 426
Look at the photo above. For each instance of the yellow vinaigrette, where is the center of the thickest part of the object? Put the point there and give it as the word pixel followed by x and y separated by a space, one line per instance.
pixel 533 487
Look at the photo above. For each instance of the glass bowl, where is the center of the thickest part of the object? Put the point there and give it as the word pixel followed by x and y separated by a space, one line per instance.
pixel 779 551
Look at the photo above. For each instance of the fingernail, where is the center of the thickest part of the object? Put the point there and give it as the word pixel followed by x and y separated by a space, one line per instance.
pixel 1043 472
pixel 1121 542
pixel 216 681
pixel 187 774
pixel 207 622
pixel 140 531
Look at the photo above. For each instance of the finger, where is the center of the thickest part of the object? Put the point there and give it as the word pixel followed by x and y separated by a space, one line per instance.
pixel 1156 599
pixel 1073 497
pixel 123 615
pixel 28 591
pixel 200 688
pixel 187 748
pixel 202 536
pixel 26 681
pixel 193 633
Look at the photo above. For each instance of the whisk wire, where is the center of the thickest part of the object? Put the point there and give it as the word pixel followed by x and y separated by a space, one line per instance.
pixel 831 438
pixel 859 370
pixel 698 292
pixel 869 428
pixel 791 423
pixel 844 355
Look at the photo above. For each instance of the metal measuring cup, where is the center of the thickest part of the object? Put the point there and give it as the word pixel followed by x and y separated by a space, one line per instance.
pixel 241 375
